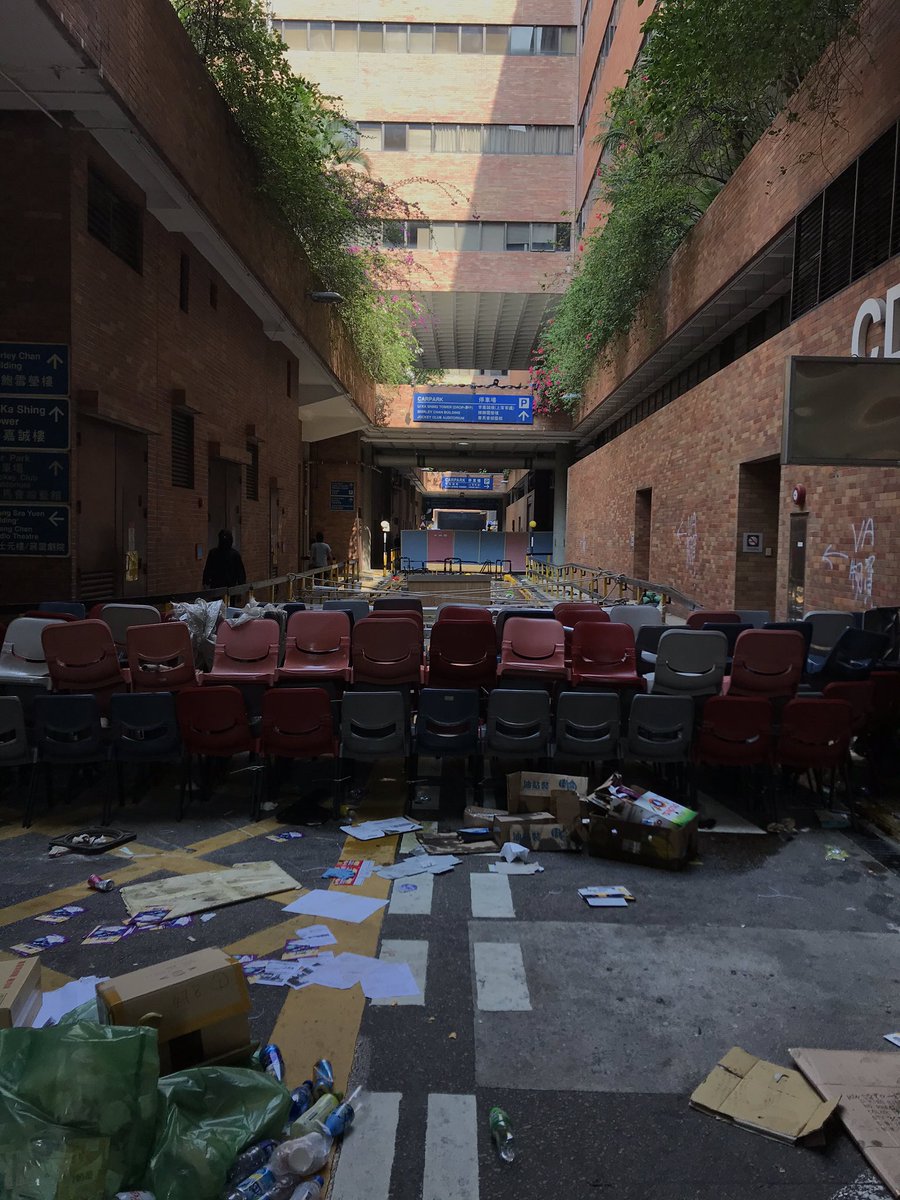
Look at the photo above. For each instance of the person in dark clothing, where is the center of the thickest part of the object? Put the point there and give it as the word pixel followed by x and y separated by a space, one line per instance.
pixel 224 565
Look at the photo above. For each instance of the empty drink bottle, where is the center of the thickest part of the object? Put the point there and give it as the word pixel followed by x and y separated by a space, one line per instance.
pixel 302 1156
pixel 310 1189
pixel 250 1160
pixel 502 1134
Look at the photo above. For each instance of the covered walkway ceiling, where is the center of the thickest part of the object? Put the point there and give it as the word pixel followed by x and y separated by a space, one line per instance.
pixel 462 447
pixel 493 330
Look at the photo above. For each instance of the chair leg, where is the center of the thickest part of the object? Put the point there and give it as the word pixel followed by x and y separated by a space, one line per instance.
pixel 185 797
pixel 336 788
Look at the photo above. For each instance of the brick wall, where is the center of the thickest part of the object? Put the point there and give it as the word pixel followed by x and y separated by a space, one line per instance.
pixel 336 460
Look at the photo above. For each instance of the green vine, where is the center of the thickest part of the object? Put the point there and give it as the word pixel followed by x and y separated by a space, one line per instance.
pixel 713 78
pixel 311 169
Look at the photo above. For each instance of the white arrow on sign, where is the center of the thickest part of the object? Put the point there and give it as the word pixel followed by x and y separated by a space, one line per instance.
pixel 55 361
pixel 56 412
pixel 55 519
pixel 523 416
pixel 55 467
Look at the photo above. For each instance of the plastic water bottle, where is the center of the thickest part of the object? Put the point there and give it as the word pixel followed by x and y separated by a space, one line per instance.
pixel 254 1158
pixel 310 1189
pixel 302 1156
pixel 264 1185
pixel 502 1134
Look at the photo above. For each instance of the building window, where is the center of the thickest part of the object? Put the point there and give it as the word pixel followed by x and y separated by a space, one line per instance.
pixel 320 35
pixel 396 38
pixel 182 449
pixel 184 283
pixel 251 472
pixel 609 34
pixel 467 139
pixel 496 39
pixel 114 221
pixel 346 36
pixel 521 39
pixel 471 39
pixel 421 39
pixel 394 137
pixel 446 39
pixel 371 38
pixel 517 235
pixel 465 236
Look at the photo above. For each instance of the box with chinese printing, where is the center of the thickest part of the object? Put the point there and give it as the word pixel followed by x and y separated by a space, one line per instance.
pixel 515 828
pixel 541 791
pixel 637 825
pixel 199 1004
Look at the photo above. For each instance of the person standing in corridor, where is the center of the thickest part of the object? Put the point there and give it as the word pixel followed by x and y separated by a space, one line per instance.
pixel 224 565
pixel 320 554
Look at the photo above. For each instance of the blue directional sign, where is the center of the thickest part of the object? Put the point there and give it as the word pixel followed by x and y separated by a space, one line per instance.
pixel 474 483
pixel 343 497
pixel 472 408
pixel 34 530
pixel 34 424
pixel 29 476
pixel 34 369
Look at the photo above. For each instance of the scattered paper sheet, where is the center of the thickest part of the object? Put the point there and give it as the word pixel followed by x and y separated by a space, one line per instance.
pixel 893 1038
pixel 272 972
pixel 608 896
pixel 185 894
pixel 513 852
pixel 287 835
pixel 106 935
pixel 339 906
pixel 354 871
pixel 418 864
pixel 515 868
pixel 314 936
pixel 379 980
pixel 29 949
pixel 58 1003
pixel 368 831
pixel 58 915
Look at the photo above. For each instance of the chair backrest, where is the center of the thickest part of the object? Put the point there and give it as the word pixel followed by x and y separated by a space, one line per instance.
pixel 827 627
pixel 23 641
pixel 400 614
pixel 804 628
pixel 67 727
pixel 598 647
pixel 13 738
pixel 731 629
pixel 293 606
pixel 447 720
pixel 569 612
pixel 767 662
pixel 318 635
pixel 297 722
pixel 462 654
pixel 373 724
pixel 814 732
pixel 386 651
pixel 464 612
pixel 144 725
pixel 660 728
pixel 587 724
pixel 518 722
pixel 402 602
pixel 647 638
pixel 690 661
pixel 504 614
pixel 533 641
pixel 81 655
pixel 73 607
pixel 735 729
pixel 756 617
pixel 635 615
pixel 254 644
pixel 855 655
pixel 121 617
pixel 697 620
pixel 213 720
pixel 160 657
pixel 357 609
pixel 860 696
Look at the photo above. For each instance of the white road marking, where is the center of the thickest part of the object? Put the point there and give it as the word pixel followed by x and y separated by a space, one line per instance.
pixel 367 1155
pixel 500 977
pixel 864 1187
pixel 414 953
pixel 491 896
pixel 412 904
pixel 451 1141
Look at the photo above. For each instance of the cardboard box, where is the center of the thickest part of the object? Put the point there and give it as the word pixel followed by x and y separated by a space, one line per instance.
pixel 540 791
pixel 474 815
pixel 763 1097
pixel 20 992
pixel 654 845
pixel 552 836
pixel 199 1003
pixel 867 1084
pixel 515 828
pixel 571 812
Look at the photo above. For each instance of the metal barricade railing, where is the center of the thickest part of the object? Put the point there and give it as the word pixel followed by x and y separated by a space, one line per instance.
pixel 573 581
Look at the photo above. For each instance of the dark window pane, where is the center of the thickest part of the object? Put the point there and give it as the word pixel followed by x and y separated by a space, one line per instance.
pixel 546 39
pixel 320 35
pixel 517 235
pixel 563 236
pixel 521 39
pixel 251 472
pixel 543 236
pixel 395 137
pixel 837 234
pixel 807 250
pixel 371 38
pixel 114 221
pixel 184 283
pixel 496 39
pixel 182 449
pixel 471 39
pixel 874 195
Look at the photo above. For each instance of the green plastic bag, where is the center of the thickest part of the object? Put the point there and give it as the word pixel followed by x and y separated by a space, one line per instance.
pixel 207 1116
pixel 78 1109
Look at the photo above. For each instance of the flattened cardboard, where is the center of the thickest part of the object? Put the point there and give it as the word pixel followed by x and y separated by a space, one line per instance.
pixel 199 1004
pixel 20 992
pixel 538 791
pixel 764 1098
pixel 186 894
pixel 867 1083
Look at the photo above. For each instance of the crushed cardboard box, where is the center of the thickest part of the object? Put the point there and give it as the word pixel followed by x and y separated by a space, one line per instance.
pixel 198 1003
pixel 867 1084
pixel 764 1098
pixel 20 992
pixel 623 825
pixel 540 791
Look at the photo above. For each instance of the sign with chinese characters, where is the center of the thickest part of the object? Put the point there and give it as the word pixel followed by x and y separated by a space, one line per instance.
pixel 34 530
pixel 32 477
pixel 474 483
pixel 34 369
pixel 473 408
pixel 34 424
pixel 343 497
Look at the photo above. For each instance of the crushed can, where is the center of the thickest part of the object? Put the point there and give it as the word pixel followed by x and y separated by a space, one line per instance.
pixel 301 1100
pixel 99 884
pixel 323 1078
pixel 271 1061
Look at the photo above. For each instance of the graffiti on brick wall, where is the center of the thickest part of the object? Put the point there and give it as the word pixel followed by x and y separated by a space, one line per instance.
pixel 686 533
pixel 860 563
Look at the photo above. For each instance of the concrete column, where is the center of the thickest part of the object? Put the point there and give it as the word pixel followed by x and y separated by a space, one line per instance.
pixel 560 496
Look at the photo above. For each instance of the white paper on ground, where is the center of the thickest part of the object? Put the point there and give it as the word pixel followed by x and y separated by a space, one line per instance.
pixel 379 980
pixel 272 972
pixel 367 831
pixel 418 864
pixel 515 868
pixel 893 1038
pixel 57 1003
pixel 339 906
pixel 513 852
pixel 316 935
pixel 606 901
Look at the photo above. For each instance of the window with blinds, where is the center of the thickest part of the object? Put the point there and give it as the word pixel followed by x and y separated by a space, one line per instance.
pixel 114 221
pixel 182 448
pixel 420 138
pixel 251 472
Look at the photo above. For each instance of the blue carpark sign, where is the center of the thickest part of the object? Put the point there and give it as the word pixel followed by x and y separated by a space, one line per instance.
pixel 34 369
pixel 28 476
pixel 34 530
pixel 343 497
pixel 474 483
pixel 473 408
pixel 39 424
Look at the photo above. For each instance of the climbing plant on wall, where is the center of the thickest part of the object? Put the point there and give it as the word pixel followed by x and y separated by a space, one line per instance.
pixel 714 76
